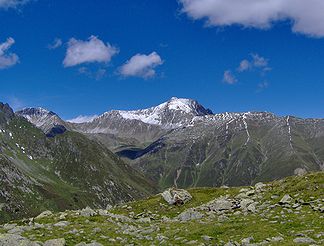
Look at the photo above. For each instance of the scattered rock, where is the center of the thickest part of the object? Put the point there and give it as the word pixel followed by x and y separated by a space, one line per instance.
pixel 300 171
pixel 220 204
pixel 286 199
pixel 55 242
pixel 303 240
pixel 176 196
pixel 189 214
pixel 15 240
pixel 61 224
pixel 259 186
pixel 87 212
pixel 206 238
pixel 44 214
pixel 245 203
pixel 250 193
pixel 247 241
pixel 276 239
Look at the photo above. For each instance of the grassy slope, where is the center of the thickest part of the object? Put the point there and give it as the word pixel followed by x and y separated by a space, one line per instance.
pixel 62 174
pixel 277 222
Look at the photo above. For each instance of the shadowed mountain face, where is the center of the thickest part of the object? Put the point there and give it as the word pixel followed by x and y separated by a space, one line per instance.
pixel 181 143
pixel 38 172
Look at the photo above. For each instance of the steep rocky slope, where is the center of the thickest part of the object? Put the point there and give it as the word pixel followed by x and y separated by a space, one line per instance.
pixel 62 172
pixel 285 212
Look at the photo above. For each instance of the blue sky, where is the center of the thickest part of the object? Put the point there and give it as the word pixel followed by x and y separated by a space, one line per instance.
pixel 139 53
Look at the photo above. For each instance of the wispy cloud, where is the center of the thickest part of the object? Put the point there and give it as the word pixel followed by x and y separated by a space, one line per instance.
pixel 229 77
pixel 306 16
pixel 57 42
pixel 262 86
pixel 244 66
pixel 97 74
pixel 141 66
pixel 89 51
pixel 254 64
pixel 7 59
pixel 16 103
pixel 83 118
pixel 6 4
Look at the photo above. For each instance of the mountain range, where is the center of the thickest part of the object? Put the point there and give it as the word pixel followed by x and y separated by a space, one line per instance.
pixel 181 143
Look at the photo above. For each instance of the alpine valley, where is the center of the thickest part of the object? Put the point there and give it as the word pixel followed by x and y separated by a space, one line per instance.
pixel 49 163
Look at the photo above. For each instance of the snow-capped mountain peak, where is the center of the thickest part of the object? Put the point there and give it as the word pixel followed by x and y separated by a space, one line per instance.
pixel 173 113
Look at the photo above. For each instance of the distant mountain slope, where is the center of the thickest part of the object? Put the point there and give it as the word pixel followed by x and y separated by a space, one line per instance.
pixel 233 149
pixel 64 172
pixel 181 143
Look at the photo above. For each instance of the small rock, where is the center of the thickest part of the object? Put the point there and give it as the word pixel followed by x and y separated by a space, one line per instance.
pixel 87 212
pixel 276 239
pixel 62 224
pixel 206 238
pixel 274 197
pixel 44 214
pixel 189 214
pixel 55 242
pixel 286 199
pixel 247 241
pixel 260 186
pixel 251 208
pixel 304 240
pixel 96 230
pixel 220 204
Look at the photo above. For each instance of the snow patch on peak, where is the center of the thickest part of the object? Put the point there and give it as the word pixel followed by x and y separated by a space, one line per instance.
pixel 186 105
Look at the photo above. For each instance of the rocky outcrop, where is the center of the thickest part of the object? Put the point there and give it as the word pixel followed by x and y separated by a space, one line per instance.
pixel 176 196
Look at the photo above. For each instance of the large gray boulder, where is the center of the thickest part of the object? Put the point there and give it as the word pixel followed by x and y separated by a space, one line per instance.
pixel 176 196
pixel 189 214
pixel 15 240
pixel 220 204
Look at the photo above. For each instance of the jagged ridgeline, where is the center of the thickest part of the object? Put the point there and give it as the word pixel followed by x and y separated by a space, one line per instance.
pixel 179 142
pixel 68 171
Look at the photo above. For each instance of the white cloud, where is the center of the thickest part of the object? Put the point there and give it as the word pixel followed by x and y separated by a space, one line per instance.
pixel 92 50
pixel 16 103
pixel 83 118
pixel 7 59
pixel 141 66
pixel 259 61
pixel 306 16
pixel 244 66
pixel 229 77
pixel 256 62
pixel 6 4
pixel 55 44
